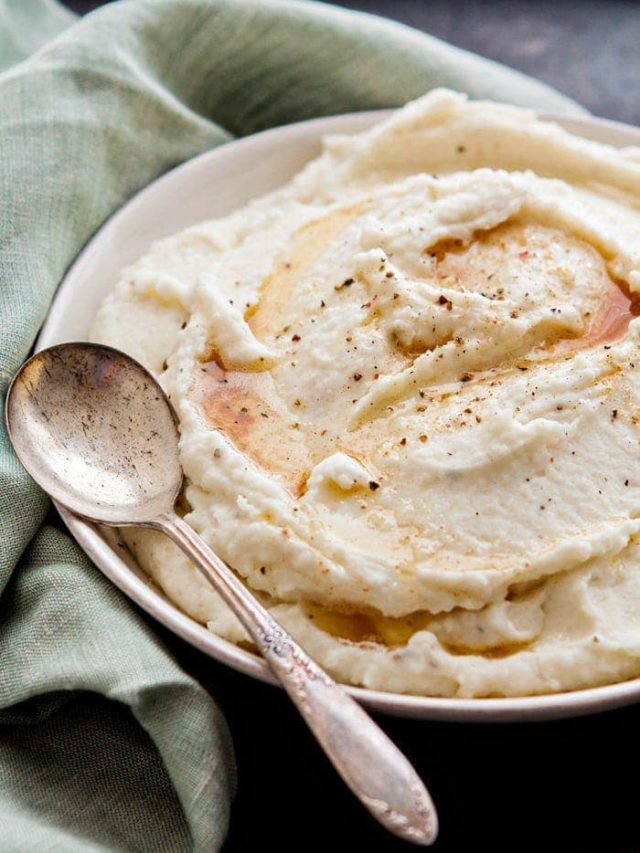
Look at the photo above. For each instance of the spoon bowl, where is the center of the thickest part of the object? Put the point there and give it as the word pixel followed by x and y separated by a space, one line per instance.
pixel 100 432
pixel 96 431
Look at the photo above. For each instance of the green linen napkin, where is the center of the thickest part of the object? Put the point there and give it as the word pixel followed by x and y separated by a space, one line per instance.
pixel 104 742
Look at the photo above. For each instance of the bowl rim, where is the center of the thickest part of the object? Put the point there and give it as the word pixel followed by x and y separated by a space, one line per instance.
pixel 110 555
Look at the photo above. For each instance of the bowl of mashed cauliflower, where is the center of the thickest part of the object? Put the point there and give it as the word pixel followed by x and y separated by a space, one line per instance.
pixel 408 389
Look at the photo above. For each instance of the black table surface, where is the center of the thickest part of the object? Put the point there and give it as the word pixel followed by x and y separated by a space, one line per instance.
pixel 552 786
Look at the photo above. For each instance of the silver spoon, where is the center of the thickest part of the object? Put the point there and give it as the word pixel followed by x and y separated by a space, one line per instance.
pixel 95 430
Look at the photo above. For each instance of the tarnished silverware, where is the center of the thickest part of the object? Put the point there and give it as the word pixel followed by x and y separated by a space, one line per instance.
pixel 96 431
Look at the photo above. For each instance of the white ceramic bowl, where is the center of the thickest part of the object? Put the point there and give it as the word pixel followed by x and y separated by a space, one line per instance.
pixel 212 185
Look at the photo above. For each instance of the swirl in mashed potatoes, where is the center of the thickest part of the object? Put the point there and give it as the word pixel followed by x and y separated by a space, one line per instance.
pixel 408 385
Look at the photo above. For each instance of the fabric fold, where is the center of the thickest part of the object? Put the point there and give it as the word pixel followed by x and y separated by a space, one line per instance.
pixel 104 742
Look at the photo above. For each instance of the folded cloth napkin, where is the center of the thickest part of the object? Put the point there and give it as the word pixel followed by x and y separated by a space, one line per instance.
pixel 104 742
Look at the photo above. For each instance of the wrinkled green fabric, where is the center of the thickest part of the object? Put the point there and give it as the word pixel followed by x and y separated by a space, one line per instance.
pixel 105 744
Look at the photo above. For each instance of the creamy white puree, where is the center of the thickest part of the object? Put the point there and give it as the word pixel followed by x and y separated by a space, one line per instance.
pixel 408 392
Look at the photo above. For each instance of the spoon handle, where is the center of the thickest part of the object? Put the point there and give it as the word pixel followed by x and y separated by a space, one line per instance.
pixel 371 765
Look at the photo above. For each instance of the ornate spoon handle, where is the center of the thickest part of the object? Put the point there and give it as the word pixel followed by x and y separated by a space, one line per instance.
pixel 371 765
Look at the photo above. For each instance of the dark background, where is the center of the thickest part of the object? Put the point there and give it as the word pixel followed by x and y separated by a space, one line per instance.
pixel 559 786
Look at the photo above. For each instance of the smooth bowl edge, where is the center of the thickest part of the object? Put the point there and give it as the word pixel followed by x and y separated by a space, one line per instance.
pixel 117 564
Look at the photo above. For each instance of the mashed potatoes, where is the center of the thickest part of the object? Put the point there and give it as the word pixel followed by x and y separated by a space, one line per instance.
pixel 408 386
